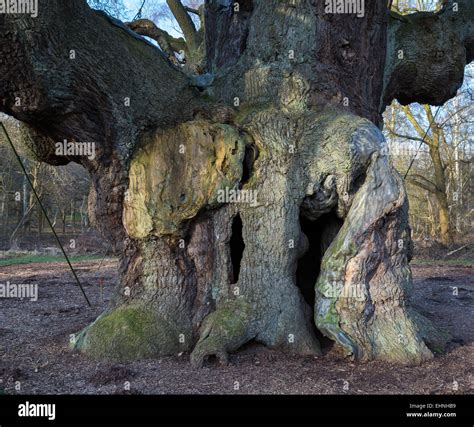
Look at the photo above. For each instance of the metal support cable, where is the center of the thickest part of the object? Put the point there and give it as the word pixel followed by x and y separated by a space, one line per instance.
pixel 44 212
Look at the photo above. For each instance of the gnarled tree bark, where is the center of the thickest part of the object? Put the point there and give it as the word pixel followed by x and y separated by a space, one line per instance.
pixel 288 117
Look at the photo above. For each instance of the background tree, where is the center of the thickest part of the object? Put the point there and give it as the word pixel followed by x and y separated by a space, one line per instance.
pixel 20 216
pixel 437 158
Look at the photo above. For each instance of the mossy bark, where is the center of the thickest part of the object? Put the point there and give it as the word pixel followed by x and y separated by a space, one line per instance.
pixel 133 332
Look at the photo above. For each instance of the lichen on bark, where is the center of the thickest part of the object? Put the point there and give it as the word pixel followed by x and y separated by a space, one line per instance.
pixel 178 172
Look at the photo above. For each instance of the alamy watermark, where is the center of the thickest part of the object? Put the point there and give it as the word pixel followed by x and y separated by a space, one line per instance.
pixel 24 7
pixel 19 290
pixel 354 7
pixel 231 195
pixel 45 410
pixel 70 148
pixel 465 151
pixel 337 289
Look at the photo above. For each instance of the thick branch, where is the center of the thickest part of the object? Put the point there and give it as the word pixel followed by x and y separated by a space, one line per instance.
pixel 427 53
pixel 63 73
pixel 421 132
pixel 422 182
pixel 185 22
pixel 166 41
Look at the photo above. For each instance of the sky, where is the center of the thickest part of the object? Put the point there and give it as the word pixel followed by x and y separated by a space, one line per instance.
pixel 134 5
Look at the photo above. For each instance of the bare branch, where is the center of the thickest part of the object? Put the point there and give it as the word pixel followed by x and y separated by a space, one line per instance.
pixel 185 22
pixel 399 135
pixel 139 13
pixel 421 132
pixel 167 42
pixel 191 10
pixel 424 184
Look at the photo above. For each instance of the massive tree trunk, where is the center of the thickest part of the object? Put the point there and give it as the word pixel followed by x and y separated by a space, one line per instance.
pixel 256 202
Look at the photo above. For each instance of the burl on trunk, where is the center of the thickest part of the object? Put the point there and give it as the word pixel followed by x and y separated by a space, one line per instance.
pixel 256 200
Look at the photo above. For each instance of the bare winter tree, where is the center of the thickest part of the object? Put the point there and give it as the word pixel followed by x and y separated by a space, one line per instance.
pixel 285 116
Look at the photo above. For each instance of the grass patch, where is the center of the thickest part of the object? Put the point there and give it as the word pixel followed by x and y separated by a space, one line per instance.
pixel 464 262
pixel 37 259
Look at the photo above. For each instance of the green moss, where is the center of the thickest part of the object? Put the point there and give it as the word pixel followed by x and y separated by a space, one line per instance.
pixel 451 262
pixel 34 259
pixel 330 317
pixel 224 330
pixel 335 261
pixel 231 319
pixel 129 333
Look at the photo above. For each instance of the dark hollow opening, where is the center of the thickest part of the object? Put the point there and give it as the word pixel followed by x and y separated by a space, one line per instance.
pixel 320 234
pixel 237 247
pixel 251 155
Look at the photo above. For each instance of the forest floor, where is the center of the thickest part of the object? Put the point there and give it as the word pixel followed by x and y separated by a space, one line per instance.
pixel 35 357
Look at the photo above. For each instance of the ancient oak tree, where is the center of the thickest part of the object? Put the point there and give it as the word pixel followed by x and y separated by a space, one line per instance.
pixel 280 100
